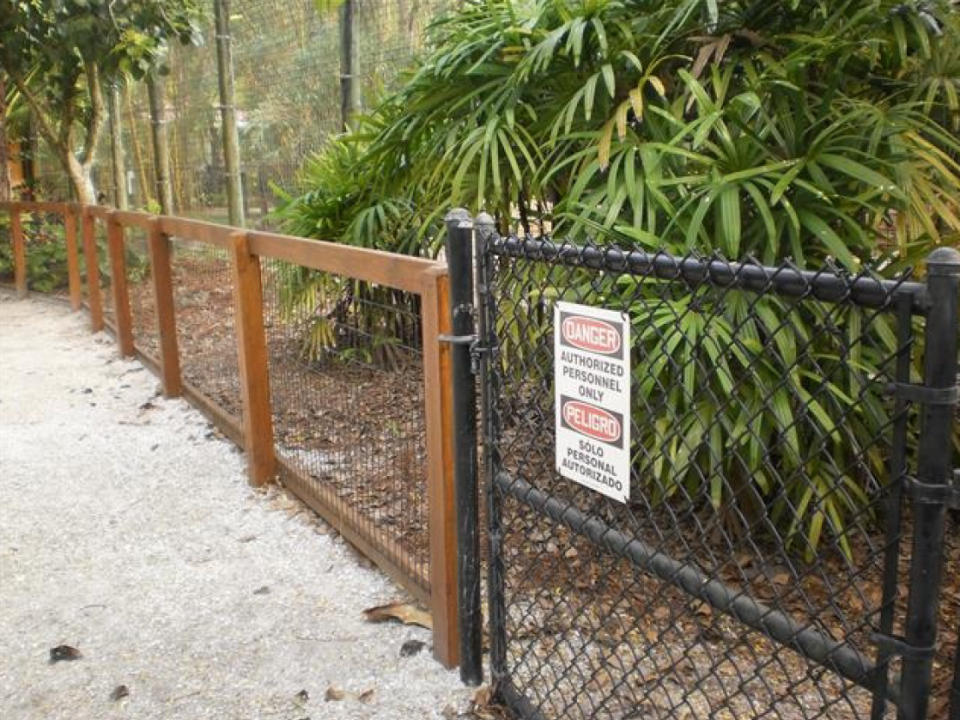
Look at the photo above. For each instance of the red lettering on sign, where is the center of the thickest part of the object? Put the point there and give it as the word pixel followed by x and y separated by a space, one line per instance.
pixel 591 334
pixel 591 420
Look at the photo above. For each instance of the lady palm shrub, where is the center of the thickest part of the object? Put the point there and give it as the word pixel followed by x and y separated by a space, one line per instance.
pixel 816 131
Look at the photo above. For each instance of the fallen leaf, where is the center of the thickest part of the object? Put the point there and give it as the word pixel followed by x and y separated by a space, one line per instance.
pixel 402 612
pixel 411 647
pixel 366 697
pixel 64 652
pixel 119 692
pixel 661 613
pixel 332 694
pixel 781 578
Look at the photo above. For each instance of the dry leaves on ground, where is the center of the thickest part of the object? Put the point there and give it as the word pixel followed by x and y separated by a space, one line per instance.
pixel 401 612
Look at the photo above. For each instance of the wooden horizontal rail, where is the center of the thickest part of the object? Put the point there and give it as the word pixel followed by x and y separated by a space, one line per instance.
pixel 96 211
pixel 126 218
pixel 206 232
pixel 26 207
pixel 402 272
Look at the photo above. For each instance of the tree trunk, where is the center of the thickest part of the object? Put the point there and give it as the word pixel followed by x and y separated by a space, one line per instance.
pixel 81 178
pixel 4 160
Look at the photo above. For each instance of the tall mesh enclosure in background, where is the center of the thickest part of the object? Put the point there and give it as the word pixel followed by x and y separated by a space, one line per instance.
pixel 753 570
pixel 288 78
pixel 346 384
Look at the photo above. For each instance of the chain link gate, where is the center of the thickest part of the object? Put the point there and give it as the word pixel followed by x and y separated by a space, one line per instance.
pixel 781 549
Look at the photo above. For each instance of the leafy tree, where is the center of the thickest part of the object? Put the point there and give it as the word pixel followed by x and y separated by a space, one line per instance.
pixel 58 54
pixel 807 130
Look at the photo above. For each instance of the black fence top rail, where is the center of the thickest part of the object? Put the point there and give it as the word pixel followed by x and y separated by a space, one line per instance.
pixel 829 284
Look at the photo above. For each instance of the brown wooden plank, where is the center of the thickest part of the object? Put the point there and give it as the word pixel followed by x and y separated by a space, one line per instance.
pixel 73 258
pixel 118 282
pixel 19 254
pixel 252 357
pixel 440 477
pixel 90 255
pixel 97 211
pixel 162 272
pixel 183 228
pixel 402 272
pixel 130 218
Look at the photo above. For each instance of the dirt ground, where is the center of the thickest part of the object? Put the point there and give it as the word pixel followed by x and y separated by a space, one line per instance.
pixel 128 532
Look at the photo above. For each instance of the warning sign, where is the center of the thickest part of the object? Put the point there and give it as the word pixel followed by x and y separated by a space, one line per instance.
pixel 592 380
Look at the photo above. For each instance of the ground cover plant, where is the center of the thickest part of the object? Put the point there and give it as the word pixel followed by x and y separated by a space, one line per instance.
pixel 814 132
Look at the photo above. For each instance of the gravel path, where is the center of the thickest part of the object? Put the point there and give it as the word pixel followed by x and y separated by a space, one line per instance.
pixel 127 530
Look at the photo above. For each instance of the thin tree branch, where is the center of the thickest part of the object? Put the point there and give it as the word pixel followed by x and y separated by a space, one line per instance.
pixel 39 112
pixel 96 113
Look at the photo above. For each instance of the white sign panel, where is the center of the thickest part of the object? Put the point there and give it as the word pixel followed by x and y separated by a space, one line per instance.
pixel 592 385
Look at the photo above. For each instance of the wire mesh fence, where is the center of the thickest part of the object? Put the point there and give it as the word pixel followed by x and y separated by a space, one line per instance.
pixel 206 323
pixel 143 309
pixel 346 383
pixel 44 239
pixel 757 567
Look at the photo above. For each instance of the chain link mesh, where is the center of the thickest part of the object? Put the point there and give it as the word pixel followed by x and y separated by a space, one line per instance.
pixel 744 577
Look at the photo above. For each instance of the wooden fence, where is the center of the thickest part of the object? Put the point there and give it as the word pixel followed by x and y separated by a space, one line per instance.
pixel 426 279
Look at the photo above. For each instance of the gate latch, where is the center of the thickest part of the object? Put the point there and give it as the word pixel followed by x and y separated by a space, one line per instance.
pixel 947 494
pixel 477 349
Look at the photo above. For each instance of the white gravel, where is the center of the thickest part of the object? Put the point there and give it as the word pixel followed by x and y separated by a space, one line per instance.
pixel 127 530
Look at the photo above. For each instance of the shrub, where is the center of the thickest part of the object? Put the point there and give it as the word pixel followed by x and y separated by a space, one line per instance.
pixel 807 130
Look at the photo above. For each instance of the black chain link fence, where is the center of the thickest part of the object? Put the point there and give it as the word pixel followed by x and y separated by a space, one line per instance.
pixel 759 567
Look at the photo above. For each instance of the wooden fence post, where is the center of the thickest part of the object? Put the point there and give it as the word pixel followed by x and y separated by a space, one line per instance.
pixel 440 476
pixel 19 253
pixel 92 258
pixel 162 272
pixel 73 256
pixel 118 281
pixel 252 359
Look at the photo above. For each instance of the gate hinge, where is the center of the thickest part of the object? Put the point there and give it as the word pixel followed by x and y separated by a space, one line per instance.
pixel 923 395
pixel 477 349
pixel 896 645
pixel 926 493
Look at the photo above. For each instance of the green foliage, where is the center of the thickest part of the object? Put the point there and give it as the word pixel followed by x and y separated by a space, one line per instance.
pixel 58 53
pixel 46 258
pixel 803 129
pixel 810 130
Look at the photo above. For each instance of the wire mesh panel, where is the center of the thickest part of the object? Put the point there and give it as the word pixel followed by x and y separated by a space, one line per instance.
pixel 206 322
pixel 346 383
pixel 143 310
pixel 46 250
pixel 106 282
pixel 753 569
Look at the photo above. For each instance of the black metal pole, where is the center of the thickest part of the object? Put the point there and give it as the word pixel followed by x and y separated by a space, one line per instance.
pixel 933 471
pixel 484 229
pixel 470 619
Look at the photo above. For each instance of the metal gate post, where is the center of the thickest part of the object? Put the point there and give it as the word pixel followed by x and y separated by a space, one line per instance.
pixel 460 264
pixel 930 490
pixel 484 228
